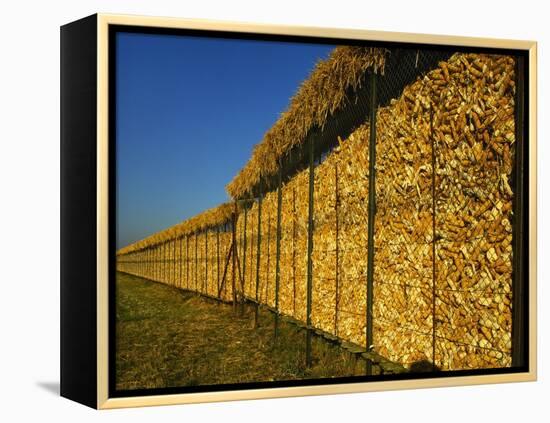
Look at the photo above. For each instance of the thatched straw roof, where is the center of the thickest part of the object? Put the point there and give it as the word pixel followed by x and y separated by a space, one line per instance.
pixel 318 97
pixel 208 218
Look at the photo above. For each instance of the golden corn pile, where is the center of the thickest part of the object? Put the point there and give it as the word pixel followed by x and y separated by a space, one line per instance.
pixel 470 100
pixel 189 263
pixel 445 154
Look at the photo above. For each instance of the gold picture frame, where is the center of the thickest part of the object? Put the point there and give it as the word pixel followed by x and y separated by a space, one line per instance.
pixel 100 359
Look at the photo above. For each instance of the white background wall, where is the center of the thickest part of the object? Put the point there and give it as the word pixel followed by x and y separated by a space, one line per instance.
pixel 29 210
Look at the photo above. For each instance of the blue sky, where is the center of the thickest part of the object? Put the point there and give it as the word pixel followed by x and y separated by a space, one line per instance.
pixel 189 111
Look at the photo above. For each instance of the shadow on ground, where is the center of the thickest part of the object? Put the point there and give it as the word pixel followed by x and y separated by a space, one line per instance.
pixel 51 387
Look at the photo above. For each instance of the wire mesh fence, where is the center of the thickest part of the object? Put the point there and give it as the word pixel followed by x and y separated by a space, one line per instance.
pixel 442 220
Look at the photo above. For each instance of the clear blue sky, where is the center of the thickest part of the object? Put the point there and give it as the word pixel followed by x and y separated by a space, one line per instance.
pixel 189 111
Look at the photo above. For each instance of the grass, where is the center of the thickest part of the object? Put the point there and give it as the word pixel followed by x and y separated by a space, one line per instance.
pixel 166 337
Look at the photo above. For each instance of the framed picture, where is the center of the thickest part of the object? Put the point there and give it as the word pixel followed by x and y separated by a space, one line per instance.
pixel 254 211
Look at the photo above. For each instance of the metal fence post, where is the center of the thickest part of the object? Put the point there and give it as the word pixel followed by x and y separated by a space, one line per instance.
pixel 180 256
pixel 268 259
pixel 434 274
pixel 174 262
pixel 238 268
pixel 218 258
pixel 371 211
pixel 244 246
pixel 196 261
pixel 164 267
pixel 159 255
pixel 310 250
pixel 278 247
pixel 337 270
pixel 206 260
pixel 294 251
pixel 161 262
pixel 258 251
pixel 234 256
pixel 187 261
pixel 251 259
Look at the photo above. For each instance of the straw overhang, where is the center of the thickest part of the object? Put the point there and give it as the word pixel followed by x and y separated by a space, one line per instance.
pixel 320 96
pixel 209 218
